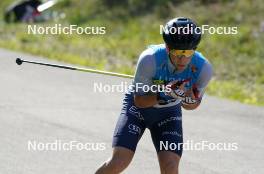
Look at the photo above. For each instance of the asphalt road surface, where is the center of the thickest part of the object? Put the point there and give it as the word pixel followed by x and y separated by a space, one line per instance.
pixel 42 105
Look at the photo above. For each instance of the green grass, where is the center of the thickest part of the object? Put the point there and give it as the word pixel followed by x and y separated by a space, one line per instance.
pixel 237 91
pixel 237 59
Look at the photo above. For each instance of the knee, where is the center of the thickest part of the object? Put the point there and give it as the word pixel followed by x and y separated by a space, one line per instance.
pixel 117 165
pixel 170 167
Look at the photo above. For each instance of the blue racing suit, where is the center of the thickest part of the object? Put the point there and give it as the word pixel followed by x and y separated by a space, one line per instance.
pixel 164 120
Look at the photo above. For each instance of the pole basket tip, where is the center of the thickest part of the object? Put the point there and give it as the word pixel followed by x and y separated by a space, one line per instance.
pixel 18 61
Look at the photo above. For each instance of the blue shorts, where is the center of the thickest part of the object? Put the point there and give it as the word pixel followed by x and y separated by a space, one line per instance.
pixel 165 125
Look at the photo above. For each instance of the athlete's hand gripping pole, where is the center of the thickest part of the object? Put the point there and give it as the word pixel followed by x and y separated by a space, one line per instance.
pixel 177 89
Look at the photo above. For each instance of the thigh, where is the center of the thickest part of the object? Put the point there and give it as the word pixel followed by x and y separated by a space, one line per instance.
pixel 167 134
pixel 129 128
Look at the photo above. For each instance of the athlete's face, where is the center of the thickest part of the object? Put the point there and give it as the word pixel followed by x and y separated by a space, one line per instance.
pixel 180 58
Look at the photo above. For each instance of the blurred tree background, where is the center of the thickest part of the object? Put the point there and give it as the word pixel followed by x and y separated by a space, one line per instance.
pixel 131 25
